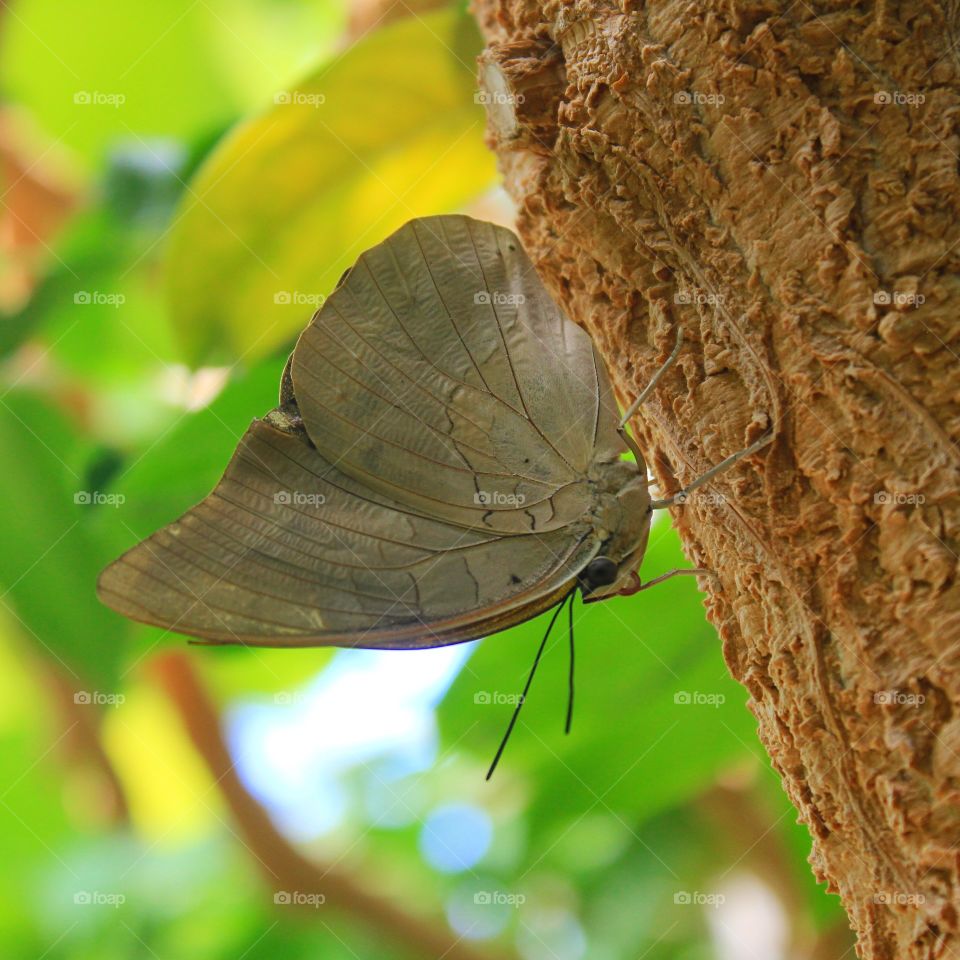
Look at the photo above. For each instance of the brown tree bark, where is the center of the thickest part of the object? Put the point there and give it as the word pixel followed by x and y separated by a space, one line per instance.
pixel 780 180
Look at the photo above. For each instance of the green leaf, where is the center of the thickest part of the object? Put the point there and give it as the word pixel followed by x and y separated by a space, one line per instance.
pixel 97 74
pixel 636 747
pixel 182 466
pixel 100 316
pixel 89 72
pixel 49 563
pixel 385 132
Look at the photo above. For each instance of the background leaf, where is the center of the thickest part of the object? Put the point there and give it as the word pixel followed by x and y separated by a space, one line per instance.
pixel 48 566
pixel 638 661
pixel 180 67
pixel 291 198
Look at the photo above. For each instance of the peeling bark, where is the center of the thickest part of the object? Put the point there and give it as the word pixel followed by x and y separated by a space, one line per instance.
pixel 780 179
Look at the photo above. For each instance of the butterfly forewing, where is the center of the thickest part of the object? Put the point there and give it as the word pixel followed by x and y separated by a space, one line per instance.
pixel 441 373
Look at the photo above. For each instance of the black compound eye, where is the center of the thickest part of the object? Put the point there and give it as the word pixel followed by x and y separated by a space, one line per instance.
pixel 600 572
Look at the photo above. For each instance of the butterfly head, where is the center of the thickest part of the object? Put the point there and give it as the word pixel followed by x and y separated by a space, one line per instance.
pixel 599 573
pixel 613 571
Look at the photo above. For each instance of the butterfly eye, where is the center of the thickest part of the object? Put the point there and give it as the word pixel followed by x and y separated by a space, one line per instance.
pixel 600 572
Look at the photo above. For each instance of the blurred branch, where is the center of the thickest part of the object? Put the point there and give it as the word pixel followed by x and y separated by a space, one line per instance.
pixel 367 15
pixel 284 867
pixel 81 722
pixel 36 205
pixel 749 831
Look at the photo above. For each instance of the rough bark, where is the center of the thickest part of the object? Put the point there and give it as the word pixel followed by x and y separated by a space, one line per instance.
pixel 780 179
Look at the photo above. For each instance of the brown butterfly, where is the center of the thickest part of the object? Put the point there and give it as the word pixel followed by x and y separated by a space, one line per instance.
pixel 446 461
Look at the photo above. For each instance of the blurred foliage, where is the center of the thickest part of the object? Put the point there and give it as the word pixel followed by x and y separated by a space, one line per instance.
pixel 292 197
pixel 97 74
pixel 220 165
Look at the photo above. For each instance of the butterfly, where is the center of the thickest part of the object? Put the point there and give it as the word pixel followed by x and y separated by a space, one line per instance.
pixel 446 461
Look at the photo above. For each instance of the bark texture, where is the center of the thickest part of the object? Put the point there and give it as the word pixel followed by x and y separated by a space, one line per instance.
pixel 780 179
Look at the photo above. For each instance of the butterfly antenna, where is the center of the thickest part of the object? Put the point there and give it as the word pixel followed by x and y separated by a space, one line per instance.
pixel 570 682
pixel 526 689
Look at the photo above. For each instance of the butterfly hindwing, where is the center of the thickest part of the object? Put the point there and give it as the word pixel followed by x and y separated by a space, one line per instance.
pixel 289 551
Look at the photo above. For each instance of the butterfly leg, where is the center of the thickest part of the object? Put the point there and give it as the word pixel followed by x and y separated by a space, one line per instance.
pixel 681 495
pixel 657 377
pixel 639 585
pixel 647 390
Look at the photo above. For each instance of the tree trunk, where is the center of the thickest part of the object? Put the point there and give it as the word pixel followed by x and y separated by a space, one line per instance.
pixel 780 180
